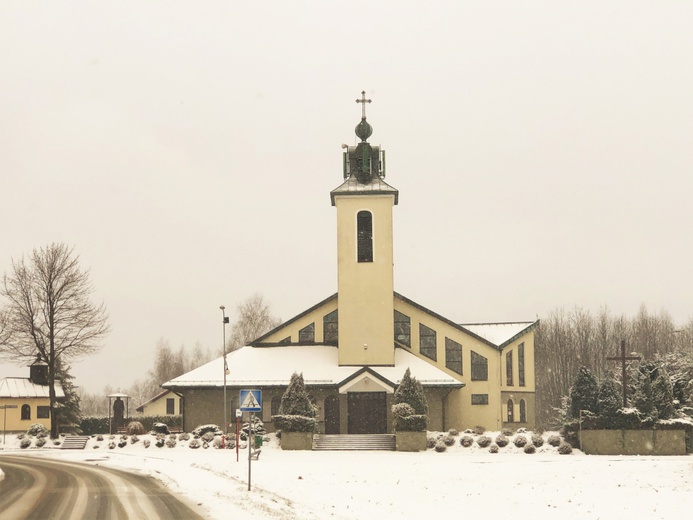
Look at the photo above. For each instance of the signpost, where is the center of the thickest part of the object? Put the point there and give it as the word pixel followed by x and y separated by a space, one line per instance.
pixel 239 414
pixel 251 401
pixel 4 422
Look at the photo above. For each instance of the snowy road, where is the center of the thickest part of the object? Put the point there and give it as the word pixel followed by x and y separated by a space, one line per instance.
pixel 40 488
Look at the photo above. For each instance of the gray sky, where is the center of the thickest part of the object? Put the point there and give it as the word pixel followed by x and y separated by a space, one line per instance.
pixel 542 150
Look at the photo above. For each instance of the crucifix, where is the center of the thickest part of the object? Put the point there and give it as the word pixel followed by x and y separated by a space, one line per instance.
pixel 363 102
pixel 623 358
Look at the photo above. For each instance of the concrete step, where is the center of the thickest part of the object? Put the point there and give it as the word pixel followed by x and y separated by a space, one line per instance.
pixel 384 442
pixel 74 442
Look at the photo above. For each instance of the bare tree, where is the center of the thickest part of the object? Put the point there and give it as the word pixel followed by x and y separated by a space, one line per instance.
pixel 254 319
pixel 49 315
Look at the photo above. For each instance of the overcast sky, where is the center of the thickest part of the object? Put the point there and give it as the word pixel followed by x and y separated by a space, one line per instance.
pixel 542 149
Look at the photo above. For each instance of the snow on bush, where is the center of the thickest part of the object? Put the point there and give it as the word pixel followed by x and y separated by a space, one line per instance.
pixel 467 441
pixel 201 430
pixel 484 441
pixel 217 443
pixel 135 428
pixel 520 441
pixel 430 442
pixel 440 447
pixel 501 440
pixel 479 430
pixel 99 438
pixel 146 443
pixel 507 432
pixel 170 443
pixel 565 449
pixel 159 442
pixel 554 440
pixel 25 443
pixel 449 441
pixel 37 430
pixel 159 427
pixel 493 448
pixel 184 437
pixel 537 440
pixel 207 437
pixel 529 448
pixel 123 442
pixel 134 439
pixel 111 445
pixel 40 442
pixel 453 432
pixel 194 444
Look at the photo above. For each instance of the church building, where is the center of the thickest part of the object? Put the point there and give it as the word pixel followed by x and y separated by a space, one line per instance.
pixel 354 347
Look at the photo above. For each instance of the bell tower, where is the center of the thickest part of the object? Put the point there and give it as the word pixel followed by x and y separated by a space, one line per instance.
pixel 364 253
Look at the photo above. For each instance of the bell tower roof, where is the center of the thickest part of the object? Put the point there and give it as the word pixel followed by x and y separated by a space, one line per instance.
pixel 364 164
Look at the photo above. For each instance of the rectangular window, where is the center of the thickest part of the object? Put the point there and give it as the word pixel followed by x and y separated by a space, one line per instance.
pixel 402 329
pixel 521 364
pixel 479 398
pixel 330 324
pixel 453 356
pixel 479 367
pixel 427 342
pixel 307 334
pixel 170 406
pixel 43 412
pixel 509 368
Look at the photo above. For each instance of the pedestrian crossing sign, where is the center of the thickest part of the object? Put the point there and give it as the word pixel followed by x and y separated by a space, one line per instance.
pixel 251 400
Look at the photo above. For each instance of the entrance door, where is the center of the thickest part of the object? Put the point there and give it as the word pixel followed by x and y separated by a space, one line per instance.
pixel 367 412
pixel 332 414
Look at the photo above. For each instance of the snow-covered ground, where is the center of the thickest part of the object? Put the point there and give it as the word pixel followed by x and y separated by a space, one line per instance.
pixel 391 485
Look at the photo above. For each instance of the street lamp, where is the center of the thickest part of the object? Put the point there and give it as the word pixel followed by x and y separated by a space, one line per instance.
pixel 225 320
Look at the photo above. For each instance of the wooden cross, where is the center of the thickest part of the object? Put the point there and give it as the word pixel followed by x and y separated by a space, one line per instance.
pixel 623 358
pixel 363 102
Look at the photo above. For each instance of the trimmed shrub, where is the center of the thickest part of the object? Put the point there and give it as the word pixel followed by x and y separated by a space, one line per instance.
pixel 170 443
pixel 99 438
pixel 507 432
pixel 554 440
pixel 194 444
pixel 402 410
pixel 96 446
pixel 217 443
pixel 184 436
pixel 92 425
pixel 529 448
pixel 411 423
pixel 159 427
pixel 20 436
pixel 565 449
pixel 484 441
pixel 449 441
pixel 40 442
pixel 146 443
pixel 521 430
pixel 520 441
pixel 201 430
pixel 134 439
pixel 452 432
pixel 431 442
pixel 493 448
pixel 537 440
pixel 479 430
pixel 258 428
pixel 294 423
pixel 35 430
pixel 295 400
pixel 159 442
pixel 467 441
pixel 111 445
pixel 135 428
pixel 122 443
pixel 440 447
pixel 411 391
pixel 207 437
pixel 502 440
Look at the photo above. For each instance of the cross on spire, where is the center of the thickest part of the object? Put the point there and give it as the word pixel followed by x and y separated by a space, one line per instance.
pixel 363 102
pixel 623 358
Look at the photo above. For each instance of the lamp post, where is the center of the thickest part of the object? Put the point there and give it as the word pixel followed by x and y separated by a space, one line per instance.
pixel 225 320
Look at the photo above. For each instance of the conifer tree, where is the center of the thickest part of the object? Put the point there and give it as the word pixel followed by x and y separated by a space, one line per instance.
pixel 411 392
pixel 643 399
pixel 608 401
pixel 68 408
pixel 583 394
pixel 295 400
pixel 663 395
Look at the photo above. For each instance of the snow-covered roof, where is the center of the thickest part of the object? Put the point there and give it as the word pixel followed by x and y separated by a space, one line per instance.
pixel 23 387
pixel 158 396
pixel 273 366
pixel 498 333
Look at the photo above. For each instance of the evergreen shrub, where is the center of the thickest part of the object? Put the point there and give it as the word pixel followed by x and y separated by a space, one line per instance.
pixel 430 442
pixel 294 423
pixel 484 441
pixel 440 447
pixel 40 442
pixel 184 436
pixel 449 441
pixel 520 441
pixel 194 444
pixel 207 437
pixel 554 440
pixel 135 428
pixel 467 441
pixel 146 443
pixel 501 440
pixel 507 432
pixel 410 406
pixel 529 448
pixel 493 448
pixel 134 439
pixel 170 443
pixel 201 430
pixel 453 432
pixel 111 445
pixel 479 430
pixel 37 430
pixel 537 440
pixel 565 449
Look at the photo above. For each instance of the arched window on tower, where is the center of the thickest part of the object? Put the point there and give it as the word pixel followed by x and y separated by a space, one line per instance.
pixel 364 221
pixel 511 414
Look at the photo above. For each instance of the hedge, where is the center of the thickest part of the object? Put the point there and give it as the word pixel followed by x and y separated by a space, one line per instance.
pixel 95 425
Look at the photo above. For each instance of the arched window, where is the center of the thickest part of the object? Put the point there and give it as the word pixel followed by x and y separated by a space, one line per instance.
pixel 523 411
pixel 364 221
pixel 26 412
pixel 510 410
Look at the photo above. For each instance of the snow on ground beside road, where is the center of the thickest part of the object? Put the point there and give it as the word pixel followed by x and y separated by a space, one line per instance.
pixel 390 485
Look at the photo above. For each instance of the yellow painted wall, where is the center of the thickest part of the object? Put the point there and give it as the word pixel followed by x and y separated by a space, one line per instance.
pixel 365 288
pixel 14 421
pixel 158 407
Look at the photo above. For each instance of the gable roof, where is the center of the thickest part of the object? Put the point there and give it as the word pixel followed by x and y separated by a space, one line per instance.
pixel 158 396
pixel 22 387
pixel 503 333
pixel 273 366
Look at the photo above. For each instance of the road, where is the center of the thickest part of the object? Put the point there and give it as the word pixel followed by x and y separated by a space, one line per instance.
pixel 40 488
